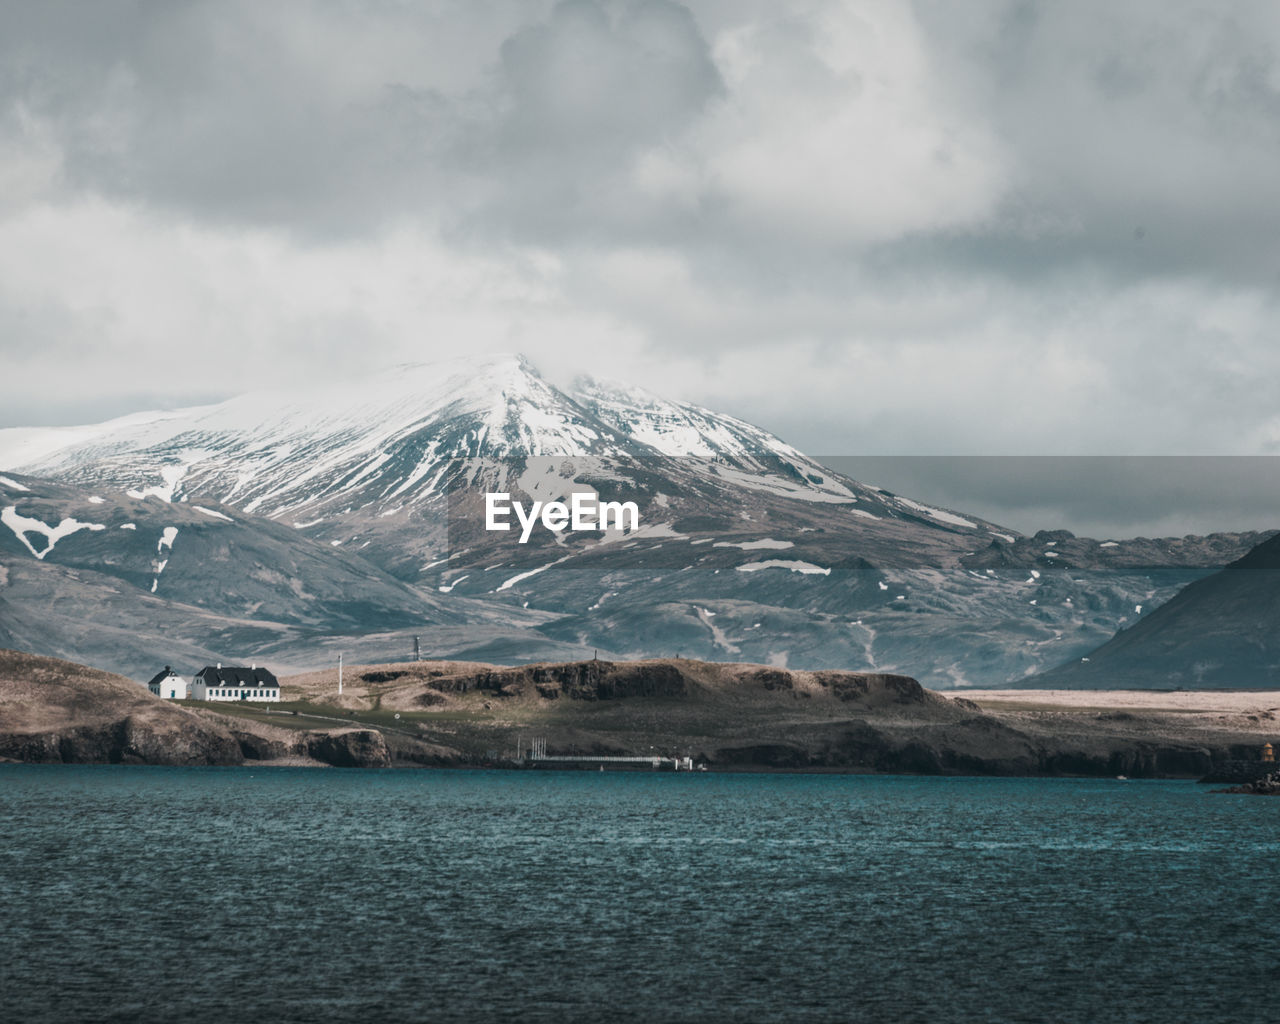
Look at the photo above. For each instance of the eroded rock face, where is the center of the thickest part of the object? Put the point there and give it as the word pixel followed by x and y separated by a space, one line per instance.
pixel 867 686
pixel 139 741
pixel 773 679
pixel 979 745
pixel 262 748
pixel 354 748
pixel 131 740
pixel 581 680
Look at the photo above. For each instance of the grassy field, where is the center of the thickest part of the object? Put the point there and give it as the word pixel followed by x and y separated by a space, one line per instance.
pixel 301 714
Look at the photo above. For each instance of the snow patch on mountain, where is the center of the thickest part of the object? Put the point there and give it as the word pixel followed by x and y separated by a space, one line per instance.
pixel 807 568
pixel 937 513
pixel 22 525
pixel 172 476
pixel 768 483
pixel 718 636
pixel 213 513
pixel 508 584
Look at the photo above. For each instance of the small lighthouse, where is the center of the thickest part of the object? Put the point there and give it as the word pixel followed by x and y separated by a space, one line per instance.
pixel 1268 752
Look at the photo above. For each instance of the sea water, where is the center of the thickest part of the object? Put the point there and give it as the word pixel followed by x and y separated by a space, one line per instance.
pixel 260 894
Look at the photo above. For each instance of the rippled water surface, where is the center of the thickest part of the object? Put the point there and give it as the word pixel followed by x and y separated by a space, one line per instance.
pixel 325 895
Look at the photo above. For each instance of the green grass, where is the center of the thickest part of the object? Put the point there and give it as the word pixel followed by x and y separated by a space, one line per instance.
pixel 298 714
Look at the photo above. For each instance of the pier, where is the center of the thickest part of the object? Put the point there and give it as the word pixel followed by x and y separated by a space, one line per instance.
pixel 675 764
pixel 537 754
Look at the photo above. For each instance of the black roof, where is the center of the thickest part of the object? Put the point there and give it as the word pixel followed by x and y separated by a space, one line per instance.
pixel 236 675
pixel 163 675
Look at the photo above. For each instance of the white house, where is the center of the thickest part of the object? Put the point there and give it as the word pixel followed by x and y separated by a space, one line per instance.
pixel 169 685
pixel 213 682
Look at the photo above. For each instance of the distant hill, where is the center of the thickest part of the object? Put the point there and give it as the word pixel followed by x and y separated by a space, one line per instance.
pixel 728 716
pixel 1220 631
pixel 58 711
pixel 736 716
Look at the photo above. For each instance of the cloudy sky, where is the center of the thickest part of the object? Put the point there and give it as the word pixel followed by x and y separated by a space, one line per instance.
pixel 989 228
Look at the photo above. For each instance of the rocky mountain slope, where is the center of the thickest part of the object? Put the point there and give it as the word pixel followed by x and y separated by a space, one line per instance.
pixel 1221 631
pixel 137 583
pixel 354 518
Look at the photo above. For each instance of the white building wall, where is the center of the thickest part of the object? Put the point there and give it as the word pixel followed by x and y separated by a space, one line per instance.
pixel 253 694
pixel 171 687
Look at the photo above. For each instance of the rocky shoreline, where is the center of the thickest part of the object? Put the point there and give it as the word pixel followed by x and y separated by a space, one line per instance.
pixel 1267 785
pixel 726 717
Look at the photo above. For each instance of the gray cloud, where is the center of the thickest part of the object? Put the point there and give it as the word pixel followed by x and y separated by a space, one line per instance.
pixel 579 96
pixel 872 227
pixel 253 113
pixel 1145 135
pixel 584 80
pixel 1093 496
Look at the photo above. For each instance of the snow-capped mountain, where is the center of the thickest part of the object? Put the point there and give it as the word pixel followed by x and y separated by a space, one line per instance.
pixel 387 440
pixel 397 439
pixel 746 549
pixel 281 453
pixel 378 463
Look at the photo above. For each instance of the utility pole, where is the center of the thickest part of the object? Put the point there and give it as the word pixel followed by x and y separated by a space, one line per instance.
pixel 339 673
